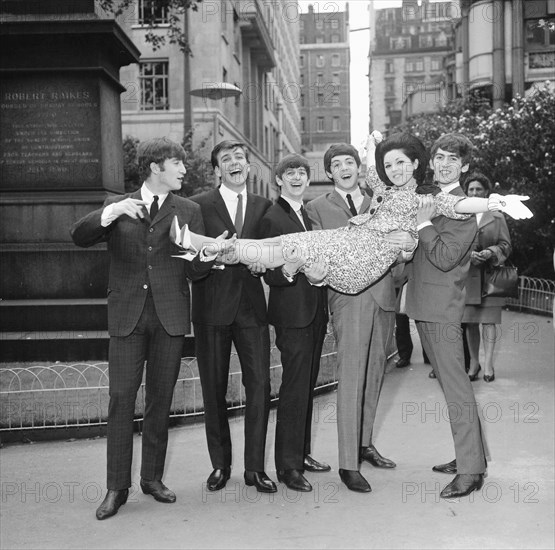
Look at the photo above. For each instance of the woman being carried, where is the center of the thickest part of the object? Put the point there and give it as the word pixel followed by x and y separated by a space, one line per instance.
pixel 358 255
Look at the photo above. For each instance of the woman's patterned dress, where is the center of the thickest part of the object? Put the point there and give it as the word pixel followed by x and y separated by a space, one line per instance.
pixel 357 255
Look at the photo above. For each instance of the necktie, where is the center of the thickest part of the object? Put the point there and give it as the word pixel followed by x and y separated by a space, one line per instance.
pixel 306 220
pixel 352 207
pixel 154 208
pixel 239 215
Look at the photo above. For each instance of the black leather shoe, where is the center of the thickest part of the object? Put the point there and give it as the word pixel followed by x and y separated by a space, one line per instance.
pixel 402 363
pixel 294 480
pixel 111 503
pixel 370 454
pixel 355 481
pixel 449 468
pixel 462 485
pixel 158 490
pixel 312 465
pixel 261 481
pixel 474 375
pixel 489 377
pixel 432 374
pixel 218 478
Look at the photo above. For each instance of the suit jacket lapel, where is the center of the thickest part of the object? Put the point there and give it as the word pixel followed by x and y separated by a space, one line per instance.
pixel 167 208
pixel 487 218
pixel 366 202
pixel 337 199
pixel 291 213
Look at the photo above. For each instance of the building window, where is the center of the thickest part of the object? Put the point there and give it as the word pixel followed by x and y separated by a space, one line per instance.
pixel 303 124
pixel 319 25
pixel 426 41
pixel 334 24
pixel 301 61
pixel 436 64
pixel 336 124
pixel 319 78
pixel 320 98
pixel 335 98
pixel 335 60
pixel 154 86
pixel 414 65
pixel 302 100
pixel 302 79
pixel 389 67
pixel 301 25
pixel 320 61
pixel 319 40
pixel 151 12
pixel 335 78
pixel 335 38
pixel 538 37
pixel 320 124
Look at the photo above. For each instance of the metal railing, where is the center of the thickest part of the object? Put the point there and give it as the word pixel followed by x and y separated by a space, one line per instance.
pixel 76 396
pixel 65 396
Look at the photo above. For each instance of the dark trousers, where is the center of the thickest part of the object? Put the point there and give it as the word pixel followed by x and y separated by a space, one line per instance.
pixel 213 350
pixel 301 349
pixel 162 352
pixel 404 339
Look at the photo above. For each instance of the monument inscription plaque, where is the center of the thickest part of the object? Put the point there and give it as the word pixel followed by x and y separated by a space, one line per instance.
pixel 50 133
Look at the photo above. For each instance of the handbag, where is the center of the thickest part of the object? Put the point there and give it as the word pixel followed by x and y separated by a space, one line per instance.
pixel 500 281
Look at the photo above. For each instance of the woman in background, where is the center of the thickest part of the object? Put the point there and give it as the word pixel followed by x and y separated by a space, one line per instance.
pixel 493 247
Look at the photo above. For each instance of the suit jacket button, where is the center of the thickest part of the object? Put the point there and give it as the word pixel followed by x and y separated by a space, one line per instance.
pixel 145 287
pixel 372 210
pixel 151 230
pixel 149 267
pixel 379 199
pixel 150 248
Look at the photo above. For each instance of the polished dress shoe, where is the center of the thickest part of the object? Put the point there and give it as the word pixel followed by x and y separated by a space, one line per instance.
pixel 489 377
pixel 111 503
pixel 474 375
pixel 402 363
pixel 261 481
pixel 449 468
pixel 432 374
pixel 218 478
pixel 294 480
pixel 312 465
pixel 158 490
pixel 355 481
pixel 370 454
pixel 462 485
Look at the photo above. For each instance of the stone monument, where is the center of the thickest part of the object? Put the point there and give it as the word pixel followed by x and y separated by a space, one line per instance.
pixel 60 153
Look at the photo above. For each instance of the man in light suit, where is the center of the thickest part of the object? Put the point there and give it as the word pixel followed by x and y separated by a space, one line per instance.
pixel 299 312
pixel 229 306
pixel 362 324
pixel 436 301
pixel 148 312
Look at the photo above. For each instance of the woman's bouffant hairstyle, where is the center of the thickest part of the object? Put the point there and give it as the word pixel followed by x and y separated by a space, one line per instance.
pixel 157 150
pixel 482 179
pixel 411 146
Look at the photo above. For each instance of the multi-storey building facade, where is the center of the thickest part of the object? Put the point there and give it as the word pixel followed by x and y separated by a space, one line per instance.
pixel 240 81
pixel 503 48
pixel 407 51
pixel 324 84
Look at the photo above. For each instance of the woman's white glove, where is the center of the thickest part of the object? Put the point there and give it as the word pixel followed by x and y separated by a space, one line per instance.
pixel 510 204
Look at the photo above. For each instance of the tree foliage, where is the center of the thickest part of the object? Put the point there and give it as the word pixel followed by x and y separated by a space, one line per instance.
pixel 174 27
pixel 514 147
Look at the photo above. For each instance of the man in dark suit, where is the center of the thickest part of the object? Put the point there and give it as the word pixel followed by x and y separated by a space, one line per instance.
pixel 299 312
pixel 148 312
pixel 229 306
pixel 436 301
pixel 362 323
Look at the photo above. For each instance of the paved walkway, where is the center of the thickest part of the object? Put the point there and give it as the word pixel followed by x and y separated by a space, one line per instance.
pixel 50 490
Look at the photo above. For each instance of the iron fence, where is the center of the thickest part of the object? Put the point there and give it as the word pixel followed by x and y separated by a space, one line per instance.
pixel 54 396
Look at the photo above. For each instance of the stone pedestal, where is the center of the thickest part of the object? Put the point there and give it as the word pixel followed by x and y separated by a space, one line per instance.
pixel 60 153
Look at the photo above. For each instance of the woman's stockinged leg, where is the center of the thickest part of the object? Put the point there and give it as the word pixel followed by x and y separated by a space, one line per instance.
pixel 268 252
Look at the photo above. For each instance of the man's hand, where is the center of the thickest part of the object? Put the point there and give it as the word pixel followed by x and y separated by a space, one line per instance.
pixel 317 272
pixel 426 209
pixel 256 269
pixel 129 207
pixel 402 239
pixel 295 259
pixel 224 248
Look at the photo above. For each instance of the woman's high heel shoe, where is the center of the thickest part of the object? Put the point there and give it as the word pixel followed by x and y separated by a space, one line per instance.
pixel 473 377
pixel 489 377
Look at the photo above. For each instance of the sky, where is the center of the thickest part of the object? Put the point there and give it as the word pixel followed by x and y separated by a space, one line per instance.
pixel 359 45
